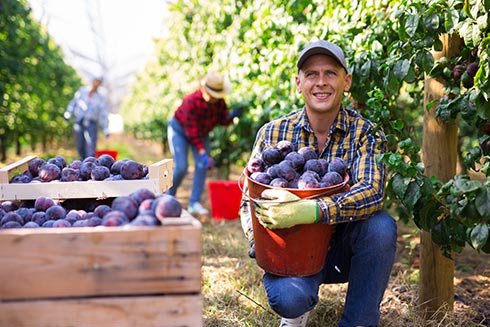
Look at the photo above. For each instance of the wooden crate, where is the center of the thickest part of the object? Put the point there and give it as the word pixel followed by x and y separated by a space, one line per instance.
pixel 102 276
pixel 159 181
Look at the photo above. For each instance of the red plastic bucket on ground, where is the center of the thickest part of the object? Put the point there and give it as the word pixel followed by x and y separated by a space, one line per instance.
pixel 113 153
pixel 297 251
pixel 225 197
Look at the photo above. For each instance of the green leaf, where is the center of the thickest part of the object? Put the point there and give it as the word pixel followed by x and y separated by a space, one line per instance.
pixel 426 214
pixel 400 185
pixel 440 233
pixel 412 195
pixel 412 23
pixel 482 202
pixel 400 70
pixel 479 236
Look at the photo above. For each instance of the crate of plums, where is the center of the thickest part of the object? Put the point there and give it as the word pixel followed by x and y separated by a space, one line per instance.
pixel 93 177
pixel 133 259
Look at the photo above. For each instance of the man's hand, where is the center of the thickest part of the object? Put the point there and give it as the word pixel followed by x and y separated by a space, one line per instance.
pixel 207 161
pixel 285 210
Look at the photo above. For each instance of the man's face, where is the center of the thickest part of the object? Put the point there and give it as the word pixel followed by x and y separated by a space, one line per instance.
pixel 322 82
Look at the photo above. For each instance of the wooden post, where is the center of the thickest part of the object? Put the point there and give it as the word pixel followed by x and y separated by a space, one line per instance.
pixel 439 151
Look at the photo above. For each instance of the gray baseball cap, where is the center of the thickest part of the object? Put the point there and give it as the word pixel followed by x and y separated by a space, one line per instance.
pixel 322 47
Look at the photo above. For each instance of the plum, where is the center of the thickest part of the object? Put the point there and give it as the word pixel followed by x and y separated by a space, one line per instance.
pixel 308 153
pixel 86 170
pixel 308 180
pixel 23 178
pixel 91 159
pixel 31 224
pixel 285 147
pixel 42 203
pixel 338 165
pixel 101 210
pixel 94 221
pixel 314 165
pixel 145 206
pixel 279 182
pixel 296 159
pixel 132 170
pixel 331 178
pixel 49 172
pixel 75 164
pixel 261 177
pixel 472 69
pixel 58 161
pixel 9 206
pixel 34 166
pixel 286 170
pixel 106 160
pixel 142 194
pixel 272 156
pixel 72 216
pixel 166 205
pixel 11 224
pixel 100 173
pixel 55 212
pixel 48 223
pixel 39 217
pixel 125 204
pixel 61 223
pixel 116 166
pixel 115 218
pixel 25 213
pixel 145 220
pixel 255 165
pixel 11 216
pixel 69 175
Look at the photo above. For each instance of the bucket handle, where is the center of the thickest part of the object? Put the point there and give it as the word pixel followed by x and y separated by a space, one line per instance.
pixel 336 188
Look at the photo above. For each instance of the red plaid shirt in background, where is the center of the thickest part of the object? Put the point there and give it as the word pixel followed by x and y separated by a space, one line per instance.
pixel 199 117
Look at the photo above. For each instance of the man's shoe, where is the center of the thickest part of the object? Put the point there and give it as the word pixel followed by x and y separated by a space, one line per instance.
pixel 295 322
pixel 197 209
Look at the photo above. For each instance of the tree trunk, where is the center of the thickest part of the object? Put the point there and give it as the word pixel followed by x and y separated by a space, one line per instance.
pixel 439 152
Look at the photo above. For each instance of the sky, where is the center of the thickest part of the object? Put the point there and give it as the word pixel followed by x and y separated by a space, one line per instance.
pixel 112 38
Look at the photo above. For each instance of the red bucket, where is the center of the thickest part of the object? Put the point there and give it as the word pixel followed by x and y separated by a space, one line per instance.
pixel 225 197
pixel 296 251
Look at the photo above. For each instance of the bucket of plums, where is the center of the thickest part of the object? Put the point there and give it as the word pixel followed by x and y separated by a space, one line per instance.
pixel 299 250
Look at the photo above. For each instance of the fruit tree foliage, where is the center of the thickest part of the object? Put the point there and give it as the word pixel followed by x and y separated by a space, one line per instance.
pixel 389 47
pixel 35 82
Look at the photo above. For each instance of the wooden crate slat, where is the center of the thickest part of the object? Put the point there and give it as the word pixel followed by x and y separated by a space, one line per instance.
pixel 159 181
pixel 148 311
pixel 60 262
pixel 18 167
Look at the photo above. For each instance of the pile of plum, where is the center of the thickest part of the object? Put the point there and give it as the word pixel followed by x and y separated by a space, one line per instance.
pixel 139 208
pixel 283 167
pixel 103 168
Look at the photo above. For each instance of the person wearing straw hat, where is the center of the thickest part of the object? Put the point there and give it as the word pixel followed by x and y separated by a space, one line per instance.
pixel 363 245
pixel 189 128
pixel 89 110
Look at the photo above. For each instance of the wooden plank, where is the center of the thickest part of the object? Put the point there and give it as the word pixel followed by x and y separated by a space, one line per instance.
pixel 159 181
pixel 148 311
pixel 89 261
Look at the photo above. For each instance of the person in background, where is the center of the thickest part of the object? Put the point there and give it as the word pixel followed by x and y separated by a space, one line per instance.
pixel 189 128
pixel 363 246
pixel 89 111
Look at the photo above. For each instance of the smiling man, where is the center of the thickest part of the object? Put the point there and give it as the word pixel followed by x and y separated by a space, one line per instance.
pixel 362 249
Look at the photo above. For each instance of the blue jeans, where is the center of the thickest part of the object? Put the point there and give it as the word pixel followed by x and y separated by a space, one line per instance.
pixel 86 138
pixel 361 253
pixel 179 147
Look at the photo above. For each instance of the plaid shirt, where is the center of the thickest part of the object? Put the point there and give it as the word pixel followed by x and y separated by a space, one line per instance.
pixel 198 117
pixel 351 138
